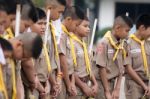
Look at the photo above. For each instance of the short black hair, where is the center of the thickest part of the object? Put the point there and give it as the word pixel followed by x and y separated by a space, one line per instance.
pixel 3 6
pixel 143 19
pixel 11 6
pixel 40 13
pixel 62 2
pixel 37 47
pixel 6 45
pixel 29 11
pixel 75 12
pixel 127 20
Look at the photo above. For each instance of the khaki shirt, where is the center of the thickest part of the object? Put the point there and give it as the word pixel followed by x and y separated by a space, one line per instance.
pixel 41 68
pixel 8 78
pixel 136 59
pixel 104 58
pixel 54 61
pixel 65 49
pixel 80 69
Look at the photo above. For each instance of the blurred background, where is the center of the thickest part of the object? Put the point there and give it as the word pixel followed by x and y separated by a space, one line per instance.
pixel 107 10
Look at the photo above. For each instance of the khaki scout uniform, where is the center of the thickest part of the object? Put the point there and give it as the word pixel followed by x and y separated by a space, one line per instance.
pixel 8 68
pixel 104 58
pixel 65 49
pixel 132 89
pixel 42 74
pixel 8 78
pixel 53 59
pixel 80 69
pixel 97 76
pixel 3 68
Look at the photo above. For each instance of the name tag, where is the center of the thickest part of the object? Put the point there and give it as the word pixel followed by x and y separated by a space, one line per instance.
pixel 135 51
pixel 110 51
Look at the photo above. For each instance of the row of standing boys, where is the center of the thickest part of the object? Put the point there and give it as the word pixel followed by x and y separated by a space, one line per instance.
pixel 40 67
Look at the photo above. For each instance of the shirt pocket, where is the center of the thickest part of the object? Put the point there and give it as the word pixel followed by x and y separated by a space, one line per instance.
pixel 137 59
pixel 110 54
pixel 80 57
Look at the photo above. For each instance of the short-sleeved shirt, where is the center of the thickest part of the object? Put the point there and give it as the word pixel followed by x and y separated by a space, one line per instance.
pixel 104 58
pixel 54 61
pixel 80 69
pixel 136 59
pixel 65 49
pixel 8 78
pixel 41 68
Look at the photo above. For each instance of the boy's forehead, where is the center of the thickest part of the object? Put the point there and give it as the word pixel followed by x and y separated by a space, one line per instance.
pixel 60 8
pixel 42 20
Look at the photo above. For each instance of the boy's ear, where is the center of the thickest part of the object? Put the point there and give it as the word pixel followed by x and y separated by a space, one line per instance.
pixel 68 18
pixel 142 28
pixel 19 43
pixel 49 7
pixel 117 27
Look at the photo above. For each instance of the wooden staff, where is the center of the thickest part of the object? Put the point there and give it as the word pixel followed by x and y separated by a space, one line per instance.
pixel 93 34
pixel 47 26
pixel 2 57
pixel 18 16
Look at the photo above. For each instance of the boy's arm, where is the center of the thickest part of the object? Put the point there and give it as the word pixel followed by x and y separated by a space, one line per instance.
pixel 64 67
pixel 128 68
pixel 101 62
pixel 30 73
pixel 135 76
pixel 29 70
pixel 116 91
pixel 103 76
pixel 83 86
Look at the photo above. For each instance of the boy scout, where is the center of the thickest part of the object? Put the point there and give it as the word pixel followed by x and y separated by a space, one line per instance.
pixel 72 17
pixel 56 8
pixel 25 46
pixel 28 17
pixel 84 78
pixel 110 56
pixel 137 77
pixel 40 63
pixel 3 15
pixel 7 49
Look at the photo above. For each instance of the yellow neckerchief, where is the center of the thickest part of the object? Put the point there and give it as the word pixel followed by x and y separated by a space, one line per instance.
pixel 54 39
pixel 119 47
pixel 47 57
pixel 9 34
pixel 143 53
pixel 86 56
pixel 71 45
pixel 13 79
pixel 2 83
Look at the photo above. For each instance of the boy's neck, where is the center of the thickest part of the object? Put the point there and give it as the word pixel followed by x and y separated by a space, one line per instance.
pixel 138 35
pixel 113 33
pixel 65 24
pixel 78 36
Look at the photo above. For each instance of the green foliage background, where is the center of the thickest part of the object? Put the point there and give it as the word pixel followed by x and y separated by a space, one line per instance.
pixel 39 3
pixel 100 34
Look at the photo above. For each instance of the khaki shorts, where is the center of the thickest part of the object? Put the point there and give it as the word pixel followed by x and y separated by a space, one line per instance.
pixel 2 95
pixel 101 93
pixel 133 90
